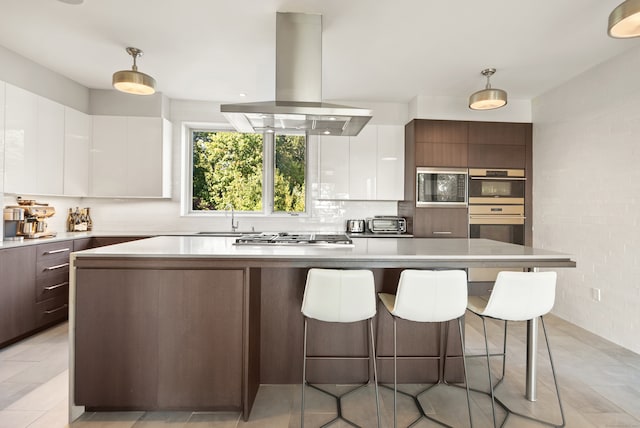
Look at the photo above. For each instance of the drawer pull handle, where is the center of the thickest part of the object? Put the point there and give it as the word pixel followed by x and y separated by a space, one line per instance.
pixel 442 233
pixel 61 250
pixel 63 265
pixel 53 311
pixel 53 287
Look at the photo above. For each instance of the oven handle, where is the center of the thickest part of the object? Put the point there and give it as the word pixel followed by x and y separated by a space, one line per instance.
pixel 496 219
pixel 481 177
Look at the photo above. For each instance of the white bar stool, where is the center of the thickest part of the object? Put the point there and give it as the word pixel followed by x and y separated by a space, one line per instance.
pixel 428 296
pixel 517 296
pixel 339 296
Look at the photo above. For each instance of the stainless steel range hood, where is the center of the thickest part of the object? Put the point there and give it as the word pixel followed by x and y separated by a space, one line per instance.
pixel 298 105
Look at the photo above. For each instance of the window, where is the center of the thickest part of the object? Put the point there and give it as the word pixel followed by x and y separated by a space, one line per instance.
pixel 253 173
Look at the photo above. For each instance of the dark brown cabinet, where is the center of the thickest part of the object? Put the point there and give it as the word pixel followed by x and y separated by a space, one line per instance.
pixel 34 288
pixel 440 143
pixel 441 223
pixel 499 145
pixel 148 338
pixel 466 144
pixel 17 292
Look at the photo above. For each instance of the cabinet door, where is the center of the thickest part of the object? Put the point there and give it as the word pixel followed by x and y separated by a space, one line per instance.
pixel 390 160
pixel 159 338
pixel 17 291
pixel 21 124
pixel 2 108
pixel 334 167
pixel 49 148
pixel 109 156
pixel 202 368
pixel 144 156
pixel 116 337
pixel 130 156
pixel 497 144
pixel 441 154
pixel 363 164
pixel 77 135
pixel 441 223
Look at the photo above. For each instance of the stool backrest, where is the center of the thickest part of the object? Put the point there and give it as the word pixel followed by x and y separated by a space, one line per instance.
pixel 521 296
pixel 431 295
pixel 335 295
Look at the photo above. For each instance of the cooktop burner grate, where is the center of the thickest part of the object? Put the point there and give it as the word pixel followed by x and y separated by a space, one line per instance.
pixel 286 238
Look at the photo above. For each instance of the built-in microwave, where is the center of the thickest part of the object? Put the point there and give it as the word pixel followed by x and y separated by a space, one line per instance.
pixel 441 187
pixel 496 186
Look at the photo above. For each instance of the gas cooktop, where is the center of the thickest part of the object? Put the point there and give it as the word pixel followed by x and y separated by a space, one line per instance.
pixel 286 238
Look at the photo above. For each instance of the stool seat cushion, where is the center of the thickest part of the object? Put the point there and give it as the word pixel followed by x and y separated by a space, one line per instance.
pixel 518 296
pixel 335 295
pixel 428 295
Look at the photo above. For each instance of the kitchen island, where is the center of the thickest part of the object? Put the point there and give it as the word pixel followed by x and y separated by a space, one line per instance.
pixel 198 323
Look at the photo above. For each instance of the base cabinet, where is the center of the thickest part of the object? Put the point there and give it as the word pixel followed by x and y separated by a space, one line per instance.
pixel 159 339
pixel 17 292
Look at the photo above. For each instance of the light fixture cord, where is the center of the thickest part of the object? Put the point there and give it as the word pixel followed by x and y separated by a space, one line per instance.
pixel 488 82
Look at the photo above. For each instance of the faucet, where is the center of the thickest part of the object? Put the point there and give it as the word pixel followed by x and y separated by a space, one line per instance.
pixel 234 224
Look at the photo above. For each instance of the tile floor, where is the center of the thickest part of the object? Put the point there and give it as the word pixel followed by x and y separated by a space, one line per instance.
pixel 600 386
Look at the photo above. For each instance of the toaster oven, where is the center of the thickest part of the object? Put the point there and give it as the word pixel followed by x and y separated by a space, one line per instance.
pixel 387 224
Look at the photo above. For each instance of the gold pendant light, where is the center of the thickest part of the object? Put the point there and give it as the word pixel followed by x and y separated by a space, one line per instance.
pixel 132 81
pixel 489 98
pixel 624 21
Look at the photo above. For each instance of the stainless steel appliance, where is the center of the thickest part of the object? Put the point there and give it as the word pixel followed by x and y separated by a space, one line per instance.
pixel 298 104
pixel 387 224
pixel 496 186
pixel 355 226
pixel 34 222
pixel 441 187
pixel 286 238
pixel 13 218
pixel 503 223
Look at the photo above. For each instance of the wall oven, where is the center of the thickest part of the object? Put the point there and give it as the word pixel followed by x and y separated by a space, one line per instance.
pixel 503 223
pixel 441 187
pixel 496 186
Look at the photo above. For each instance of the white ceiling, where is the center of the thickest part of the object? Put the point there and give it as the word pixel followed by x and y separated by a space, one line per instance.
pixel 373 50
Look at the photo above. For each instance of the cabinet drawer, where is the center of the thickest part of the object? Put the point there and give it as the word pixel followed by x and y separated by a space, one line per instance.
pixel 48 271
pixel 54 284
pixel 52 310
pixel 54 252
pixel 441 223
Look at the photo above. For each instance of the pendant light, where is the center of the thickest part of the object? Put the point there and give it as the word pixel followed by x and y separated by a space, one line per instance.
pixel 488 98
pixel 132 81
pixel 624 21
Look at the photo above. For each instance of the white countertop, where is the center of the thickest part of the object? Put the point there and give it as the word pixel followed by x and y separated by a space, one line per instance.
pixel 363 249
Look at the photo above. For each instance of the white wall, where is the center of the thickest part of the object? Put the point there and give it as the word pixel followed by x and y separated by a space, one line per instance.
pixel 448 108
pixel 586 195
pixel 26 74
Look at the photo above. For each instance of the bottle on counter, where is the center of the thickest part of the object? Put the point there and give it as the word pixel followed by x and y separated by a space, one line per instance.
pixel 70 221
pixel 89 220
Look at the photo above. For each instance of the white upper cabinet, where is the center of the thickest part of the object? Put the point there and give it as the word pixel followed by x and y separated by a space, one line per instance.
pixel 77 137
pixel 130 157
pixel 34 143
pixel 362 164
pixel 49 166
pixel 334 167
pixel 369 166
pixel 2 91
pixel 21 122
pixel 390 163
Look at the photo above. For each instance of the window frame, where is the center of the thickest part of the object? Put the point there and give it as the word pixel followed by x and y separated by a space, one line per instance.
pixel 268 174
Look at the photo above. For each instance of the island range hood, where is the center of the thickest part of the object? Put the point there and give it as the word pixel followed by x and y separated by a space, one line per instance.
pixel 298 103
